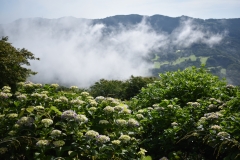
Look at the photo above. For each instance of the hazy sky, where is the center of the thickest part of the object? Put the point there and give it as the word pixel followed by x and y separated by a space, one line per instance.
pixel 11 10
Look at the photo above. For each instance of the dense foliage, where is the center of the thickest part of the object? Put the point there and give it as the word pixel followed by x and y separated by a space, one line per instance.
pixel 190 114
pixel 38 122
pixel 187 114
pixel 11 64
pixel 123 90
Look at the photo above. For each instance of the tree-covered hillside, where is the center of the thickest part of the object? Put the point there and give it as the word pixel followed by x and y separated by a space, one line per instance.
pixel 214 42
pixel 222 59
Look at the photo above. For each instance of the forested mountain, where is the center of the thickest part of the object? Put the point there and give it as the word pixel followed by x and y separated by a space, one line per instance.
pixel 223 59
pixel 184 42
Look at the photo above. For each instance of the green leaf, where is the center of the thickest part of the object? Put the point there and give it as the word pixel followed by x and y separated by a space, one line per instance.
pixel 30 109
pixel 53 108
pixel 147 158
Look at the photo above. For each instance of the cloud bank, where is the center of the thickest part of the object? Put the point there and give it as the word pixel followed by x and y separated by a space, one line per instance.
pixel 77 52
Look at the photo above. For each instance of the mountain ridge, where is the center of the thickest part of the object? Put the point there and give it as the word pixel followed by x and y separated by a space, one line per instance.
pixel 222 58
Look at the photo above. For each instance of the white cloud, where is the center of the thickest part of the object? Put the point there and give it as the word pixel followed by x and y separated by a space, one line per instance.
pixel 76 52
pixel 189 33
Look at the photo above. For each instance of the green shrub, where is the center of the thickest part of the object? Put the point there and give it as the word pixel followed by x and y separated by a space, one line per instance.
pixel 40 122
pixel 173 108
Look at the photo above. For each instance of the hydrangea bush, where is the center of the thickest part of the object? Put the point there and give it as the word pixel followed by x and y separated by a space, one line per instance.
pixel 186 115
pixel 41 122
pixel 190 114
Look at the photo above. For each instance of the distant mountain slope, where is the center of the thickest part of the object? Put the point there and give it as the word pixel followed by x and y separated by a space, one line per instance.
pixel 185 41
pixel 222 59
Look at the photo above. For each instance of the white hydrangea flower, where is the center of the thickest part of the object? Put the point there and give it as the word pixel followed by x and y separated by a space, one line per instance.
pixel 124 138
pixel 223 135
pixel 47 122
pixel 81 118
pixel 59 143
pixel 133 123
pixel 174 124
pixel 74 87
pixel 102 139
pixel 85 94
pixel 139 116
pixel 91 134
pixel 103 122
pixel 25 121
pixel 121 122
pixel 108 109
pixel 42 143
pixel 54 85
pixel 39 107
pixel 116 142
pixel 215 127
pixel 56 133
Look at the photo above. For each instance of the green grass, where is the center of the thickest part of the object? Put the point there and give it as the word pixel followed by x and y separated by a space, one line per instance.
pixel 156 58
pixel 203 60
pixel 223 71
pixel 179 60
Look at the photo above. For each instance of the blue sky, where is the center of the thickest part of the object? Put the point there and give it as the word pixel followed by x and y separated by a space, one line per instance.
pixel 11 10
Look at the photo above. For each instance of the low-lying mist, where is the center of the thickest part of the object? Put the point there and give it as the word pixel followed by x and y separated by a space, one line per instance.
pixel 78 52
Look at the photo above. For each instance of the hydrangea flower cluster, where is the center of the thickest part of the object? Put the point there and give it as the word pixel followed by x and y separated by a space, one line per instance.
pixel 5 95
pixel 61 99
pixel 47 122
pixel 108 109
pixel 74 87
pixel 139 116
pixel 212 106
pixel 223 135
pixel 102 139
pixel 216 127
pixel 39 95
pixel 93 103
pixel 99 98
pixel 91 134
pixel 42 143
pixel 39 107
pixel 142 152
pixel 118 108
pixel 103 122
pixel 25 121
pixel 6 89
pixel 59 143
pixel 133 123
pixel 126 111
pixel 22 97
pixel 194 104
pixel 69 114
pixel 116 142
pixel 76 102
pixel 124 138
pixel 121 122
pixel 174 124
pixel 213 115
pixel 229 86
pixel 54 85
pixel 81 118
pixel 56 133
pixel 85 94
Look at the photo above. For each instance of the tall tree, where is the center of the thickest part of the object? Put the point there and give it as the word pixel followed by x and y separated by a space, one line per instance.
pixel 12 62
